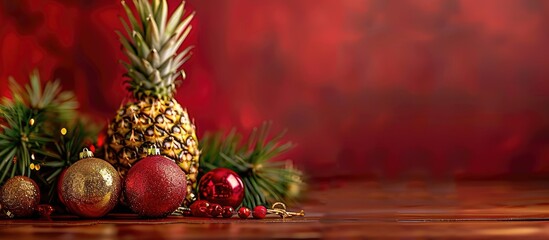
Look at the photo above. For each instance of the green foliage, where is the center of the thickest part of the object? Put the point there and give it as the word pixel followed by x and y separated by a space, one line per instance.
pixel 266 179
pixel 49 100
pixel 19 138
pixel 40 131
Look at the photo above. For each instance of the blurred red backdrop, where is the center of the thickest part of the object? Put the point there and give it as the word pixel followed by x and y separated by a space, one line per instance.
pixel 437 88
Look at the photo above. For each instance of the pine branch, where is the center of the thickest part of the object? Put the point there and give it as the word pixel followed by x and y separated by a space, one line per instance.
pixel 51 99
pixel 20 136
pixel 40 133
pixel 266 179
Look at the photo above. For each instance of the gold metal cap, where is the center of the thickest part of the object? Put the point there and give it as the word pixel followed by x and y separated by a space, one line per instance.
pixel 86 153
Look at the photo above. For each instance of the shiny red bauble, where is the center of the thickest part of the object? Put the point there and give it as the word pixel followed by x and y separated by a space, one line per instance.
pixel 244 212
pixel 155 187
pixel 259 212
pixel 222 186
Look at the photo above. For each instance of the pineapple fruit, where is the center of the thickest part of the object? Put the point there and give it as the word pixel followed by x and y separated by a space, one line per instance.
pixel 153 117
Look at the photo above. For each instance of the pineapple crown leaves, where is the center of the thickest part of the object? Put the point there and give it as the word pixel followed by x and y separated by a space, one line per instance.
pixel 151 42
pixel 266 180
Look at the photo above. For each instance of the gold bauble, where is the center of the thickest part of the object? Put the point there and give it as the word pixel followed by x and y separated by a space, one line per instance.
pixel 20 196
pixel 90 187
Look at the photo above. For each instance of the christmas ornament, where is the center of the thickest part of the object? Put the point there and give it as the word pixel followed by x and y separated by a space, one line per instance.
pixel 266 180
pixel 199 208
pixel 243 212
pixel 154 117
pixel 227 212
pixel 215 210
pixel 222 186
pixel 20 196
pixel 155 186
pixel 259 212
pixel 91 187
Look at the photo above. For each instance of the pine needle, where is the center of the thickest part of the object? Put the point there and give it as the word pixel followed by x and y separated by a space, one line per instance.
pixel 30 131
pixel 266 178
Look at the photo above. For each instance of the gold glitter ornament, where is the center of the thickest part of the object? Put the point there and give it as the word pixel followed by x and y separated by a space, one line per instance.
pixel 91 187
pixel 20 196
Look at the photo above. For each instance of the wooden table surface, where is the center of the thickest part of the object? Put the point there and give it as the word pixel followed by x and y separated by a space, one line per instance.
pixel 349 209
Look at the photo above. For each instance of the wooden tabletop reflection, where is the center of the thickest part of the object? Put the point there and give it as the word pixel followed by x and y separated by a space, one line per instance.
pixel 344 209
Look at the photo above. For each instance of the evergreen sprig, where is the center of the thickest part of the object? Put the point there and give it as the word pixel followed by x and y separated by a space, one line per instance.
pixel 40 131
pixel 20 136
pixel 266 179
pixel 50 100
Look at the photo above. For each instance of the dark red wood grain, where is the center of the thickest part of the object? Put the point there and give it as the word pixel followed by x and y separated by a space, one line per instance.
pixel 359 209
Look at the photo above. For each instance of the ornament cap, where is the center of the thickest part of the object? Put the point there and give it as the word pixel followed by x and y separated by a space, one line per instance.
pixel 86 153
pixel 152 151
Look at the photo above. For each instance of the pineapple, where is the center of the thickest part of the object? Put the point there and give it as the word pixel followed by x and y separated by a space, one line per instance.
pixel 153 117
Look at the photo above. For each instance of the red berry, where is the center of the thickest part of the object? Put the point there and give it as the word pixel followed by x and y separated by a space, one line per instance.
pixel 228 212
pixel 215 209
pixel 200 208
pixel 45 210
pixel 260 212
pixel 187 212
pixel 244 212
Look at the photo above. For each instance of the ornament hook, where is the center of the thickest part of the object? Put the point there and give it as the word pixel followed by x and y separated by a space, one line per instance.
pixel 280 209
pixel 86 153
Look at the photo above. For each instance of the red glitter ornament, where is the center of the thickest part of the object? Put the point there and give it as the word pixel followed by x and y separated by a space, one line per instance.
pixel 222 186
pixel 155 187
pixel 244 212
pixel 259 212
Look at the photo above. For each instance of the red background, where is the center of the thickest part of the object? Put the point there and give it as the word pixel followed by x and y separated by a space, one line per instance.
pixel 437 88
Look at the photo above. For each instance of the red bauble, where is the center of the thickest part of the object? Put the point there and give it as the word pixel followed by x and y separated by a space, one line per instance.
pixel 244 212
pixel 259 212
pixel 155 187
pixel 222 186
